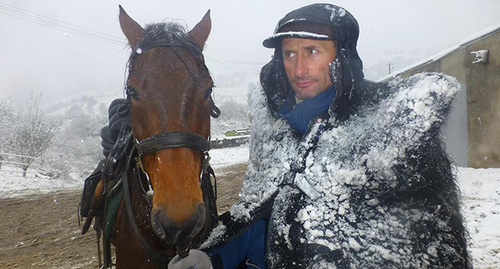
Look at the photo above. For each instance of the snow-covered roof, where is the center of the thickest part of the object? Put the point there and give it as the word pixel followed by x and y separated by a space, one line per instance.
pixel 467 41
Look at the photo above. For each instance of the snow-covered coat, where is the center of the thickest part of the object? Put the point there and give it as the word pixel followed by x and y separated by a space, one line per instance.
pixel 372 190
pixel 367 186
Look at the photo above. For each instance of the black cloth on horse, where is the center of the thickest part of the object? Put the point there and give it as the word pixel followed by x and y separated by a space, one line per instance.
pixel 119 113
pixel 107 142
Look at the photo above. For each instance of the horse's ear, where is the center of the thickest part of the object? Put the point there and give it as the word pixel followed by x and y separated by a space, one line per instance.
pixel 201 31
pixel 132 30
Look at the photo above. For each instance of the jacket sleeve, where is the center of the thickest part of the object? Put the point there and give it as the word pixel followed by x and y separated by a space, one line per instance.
pixel 250 245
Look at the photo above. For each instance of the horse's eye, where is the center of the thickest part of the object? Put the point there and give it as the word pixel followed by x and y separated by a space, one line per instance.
pixel 132 92
pixel 208 92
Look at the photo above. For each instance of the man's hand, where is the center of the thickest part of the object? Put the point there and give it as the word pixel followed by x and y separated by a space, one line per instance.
pixel 196 259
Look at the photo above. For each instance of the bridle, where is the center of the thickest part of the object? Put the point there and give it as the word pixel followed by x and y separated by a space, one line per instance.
pixel 177 139
pixel 168 140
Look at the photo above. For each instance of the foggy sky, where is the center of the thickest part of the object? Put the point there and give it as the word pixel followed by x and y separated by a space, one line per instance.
pixel 72 48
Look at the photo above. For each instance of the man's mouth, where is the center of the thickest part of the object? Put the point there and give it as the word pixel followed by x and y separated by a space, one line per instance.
pixel 304 84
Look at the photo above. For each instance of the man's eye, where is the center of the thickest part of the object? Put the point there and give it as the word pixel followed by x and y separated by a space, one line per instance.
pixel 289 54
pixel 314 51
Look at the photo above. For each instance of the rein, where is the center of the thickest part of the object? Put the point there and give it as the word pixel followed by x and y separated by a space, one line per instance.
pixel 157 257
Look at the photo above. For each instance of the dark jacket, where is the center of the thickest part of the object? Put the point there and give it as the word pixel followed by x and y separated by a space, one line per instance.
pixel 375 190
pixel 367 186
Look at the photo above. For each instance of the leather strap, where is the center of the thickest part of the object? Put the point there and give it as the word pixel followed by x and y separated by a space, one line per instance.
pixel 159 258
pixel 168 43
pixel 173 140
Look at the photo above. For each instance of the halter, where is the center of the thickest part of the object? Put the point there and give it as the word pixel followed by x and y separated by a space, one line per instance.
pixel 168 140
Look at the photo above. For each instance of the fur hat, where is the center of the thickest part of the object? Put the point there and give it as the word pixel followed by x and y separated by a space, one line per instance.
pixel 317 21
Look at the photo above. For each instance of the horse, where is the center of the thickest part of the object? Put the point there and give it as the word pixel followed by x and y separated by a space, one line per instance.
pixel 168 202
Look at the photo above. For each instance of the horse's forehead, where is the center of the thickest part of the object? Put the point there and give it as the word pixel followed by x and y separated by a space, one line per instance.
pixel 169 78
pixel 170 62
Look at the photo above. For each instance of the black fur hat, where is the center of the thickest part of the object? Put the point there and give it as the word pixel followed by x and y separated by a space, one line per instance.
pixel 316 21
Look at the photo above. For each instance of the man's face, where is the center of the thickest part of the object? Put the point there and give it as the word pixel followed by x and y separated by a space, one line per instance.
pixel 306 63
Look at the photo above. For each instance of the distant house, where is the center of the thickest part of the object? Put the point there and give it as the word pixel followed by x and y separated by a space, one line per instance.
pixel 473 132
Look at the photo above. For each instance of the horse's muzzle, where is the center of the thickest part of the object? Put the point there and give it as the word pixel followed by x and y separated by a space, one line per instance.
pixel 172 233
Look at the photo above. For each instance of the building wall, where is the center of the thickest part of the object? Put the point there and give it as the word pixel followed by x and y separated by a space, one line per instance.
pixel 483 103
pixel 472 134
pixel 455 132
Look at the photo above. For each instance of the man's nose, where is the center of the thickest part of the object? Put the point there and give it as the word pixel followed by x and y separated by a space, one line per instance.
pixel 300 66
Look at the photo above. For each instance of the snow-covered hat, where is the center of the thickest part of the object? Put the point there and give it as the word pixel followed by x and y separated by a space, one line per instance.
pixel 316 21
pixel 302 29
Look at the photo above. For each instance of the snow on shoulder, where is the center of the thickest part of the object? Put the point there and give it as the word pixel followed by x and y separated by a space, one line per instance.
pixel 412 110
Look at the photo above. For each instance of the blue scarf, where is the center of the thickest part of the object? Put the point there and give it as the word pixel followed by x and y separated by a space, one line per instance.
pixel 301 114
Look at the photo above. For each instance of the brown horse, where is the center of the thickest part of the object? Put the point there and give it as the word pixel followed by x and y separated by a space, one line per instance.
pixel 169 93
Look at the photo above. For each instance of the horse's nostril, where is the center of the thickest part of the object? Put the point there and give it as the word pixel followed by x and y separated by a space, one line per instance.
pixel 201 213
pixel 174 233
pixel 157 221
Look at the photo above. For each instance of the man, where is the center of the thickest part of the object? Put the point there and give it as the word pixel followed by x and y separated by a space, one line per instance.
pixel 343 172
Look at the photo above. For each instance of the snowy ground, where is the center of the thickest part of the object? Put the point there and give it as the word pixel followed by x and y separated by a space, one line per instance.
pixel 480 190
pixel 481 206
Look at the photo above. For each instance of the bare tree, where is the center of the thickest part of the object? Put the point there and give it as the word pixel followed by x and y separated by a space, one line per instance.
pixel 33 133
pixel 6 123
pixel 77 144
